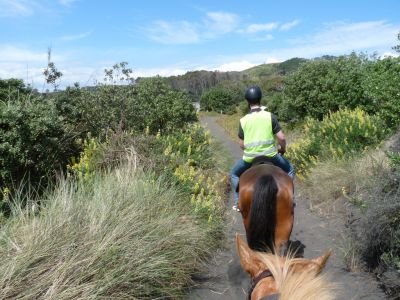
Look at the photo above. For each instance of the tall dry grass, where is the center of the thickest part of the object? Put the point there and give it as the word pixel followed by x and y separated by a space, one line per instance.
pixel 333 179
pixel 121 235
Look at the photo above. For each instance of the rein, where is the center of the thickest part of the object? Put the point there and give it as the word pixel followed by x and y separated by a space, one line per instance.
pixel 264 274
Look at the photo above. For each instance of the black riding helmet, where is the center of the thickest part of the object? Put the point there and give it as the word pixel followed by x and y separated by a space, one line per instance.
pixel 253 95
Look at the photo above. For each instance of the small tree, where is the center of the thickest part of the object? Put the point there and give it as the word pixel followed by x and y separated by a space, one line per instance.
pixel 51 73
pixel 119 73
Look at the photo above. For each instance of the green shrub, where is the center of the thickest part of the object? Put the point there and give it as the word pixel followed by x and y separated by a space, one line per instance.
pixel 381 87
pixel 33 141
pixel 96 111
pixel 149 104
pixel 338 135
pixel 322 86
pixel 13 88
pixel 159 107
pixel 218 99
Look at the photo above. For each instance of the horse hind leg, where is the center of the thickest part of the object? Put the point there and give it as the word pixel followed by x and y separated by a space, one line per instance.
pixel 284 221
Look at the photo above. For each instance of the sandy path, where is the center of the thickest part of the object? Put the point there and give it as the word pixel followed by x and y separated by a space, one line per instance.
pixel 225 278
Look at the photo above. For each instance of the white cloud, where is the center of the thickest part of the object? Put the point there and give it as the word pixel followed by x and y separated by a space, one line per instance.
pixel 75 37
pixel 173 33
pixel 218 23
pixel 390 54
pixel 235 66
pixel 344 37
pixel 15 8
pixel 158 71
pixel 15 54
pixel 184 32
pixel 19 62
pixel 255 28
pixel 289 25
pixel 334 39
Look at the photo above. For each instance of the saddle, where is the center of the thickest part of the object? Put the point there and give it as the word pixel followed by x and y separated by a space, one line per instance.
pixel 261 160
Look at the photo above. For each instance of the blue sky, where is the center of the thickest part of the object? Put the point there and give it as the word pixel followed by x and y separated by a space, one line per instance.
pixel 175 36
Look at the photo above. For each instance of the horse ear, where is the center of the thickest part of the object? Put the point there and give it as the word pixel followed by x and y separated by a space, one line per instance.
pixel 315 265
pixel 247 257
pixel 321 261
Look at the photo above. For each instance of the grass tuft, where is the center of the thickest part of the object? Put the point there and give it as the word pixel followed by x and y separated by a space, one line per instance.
pixel 120 235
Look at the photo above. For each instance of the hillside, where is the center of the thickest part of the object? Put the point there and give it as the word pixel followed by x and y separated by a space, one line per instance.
pixel 273 69
pixel 196 82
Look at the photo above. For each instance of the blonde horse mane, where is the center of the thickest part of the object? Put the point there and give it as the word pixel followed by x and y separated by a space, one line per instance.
pixel 303 284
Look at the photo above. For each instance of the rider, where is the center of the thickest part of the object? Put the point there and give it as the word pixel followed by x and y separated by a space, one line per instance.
pixel 257 132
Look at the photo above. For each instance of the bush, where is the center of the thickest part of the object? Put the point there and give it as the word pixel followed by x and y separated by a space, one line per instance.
pixel 218 99
pixel 13 88
pixel 340 134
pixel 159 107
pixel 185 157
pixel 149 104
pixel 97 111
pixel 381 87
pixel 34 142
pixel 322 86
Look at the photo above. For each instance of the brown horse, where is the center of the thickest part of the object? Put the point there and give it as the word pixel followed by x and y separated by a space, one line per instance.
pixel 284 278
pixel 267 208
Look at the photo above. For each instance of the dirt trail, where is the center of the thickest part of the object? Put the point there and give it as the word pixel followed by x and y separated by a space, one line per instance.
pixel 225 278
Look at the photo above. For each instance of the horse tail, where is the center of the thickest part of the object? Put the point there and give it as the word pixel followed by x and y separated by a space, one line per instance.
pixel 263 214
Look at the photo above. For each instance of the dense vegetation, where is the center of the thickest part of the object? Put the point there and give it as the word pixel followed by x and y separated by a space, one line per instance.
pixel 223 98
pixel 126 232
pixel 339 135
pixel 323 86
pixel 41 132
pixel 137 209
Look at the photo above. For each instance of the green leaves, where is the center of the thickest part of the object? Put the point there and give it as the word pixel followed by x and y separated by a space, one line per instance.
pixel 218 99
pixel 158 107
pixel 382 89
pixel 39 133
pixel 33 140
pixel 323 86
pixel 339 135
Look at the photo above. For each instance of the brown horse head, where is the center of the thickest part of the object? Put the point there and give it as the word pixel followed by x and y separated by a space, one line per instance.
pixel 282 276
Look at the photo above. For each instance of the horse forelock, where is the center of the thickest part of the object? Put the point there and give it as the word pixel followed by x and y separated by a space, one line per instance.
pixel 303 285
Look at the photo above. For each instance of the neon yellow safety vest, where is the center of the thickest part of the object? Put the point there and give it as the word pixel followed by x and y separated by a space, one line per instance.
pixel 259 140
